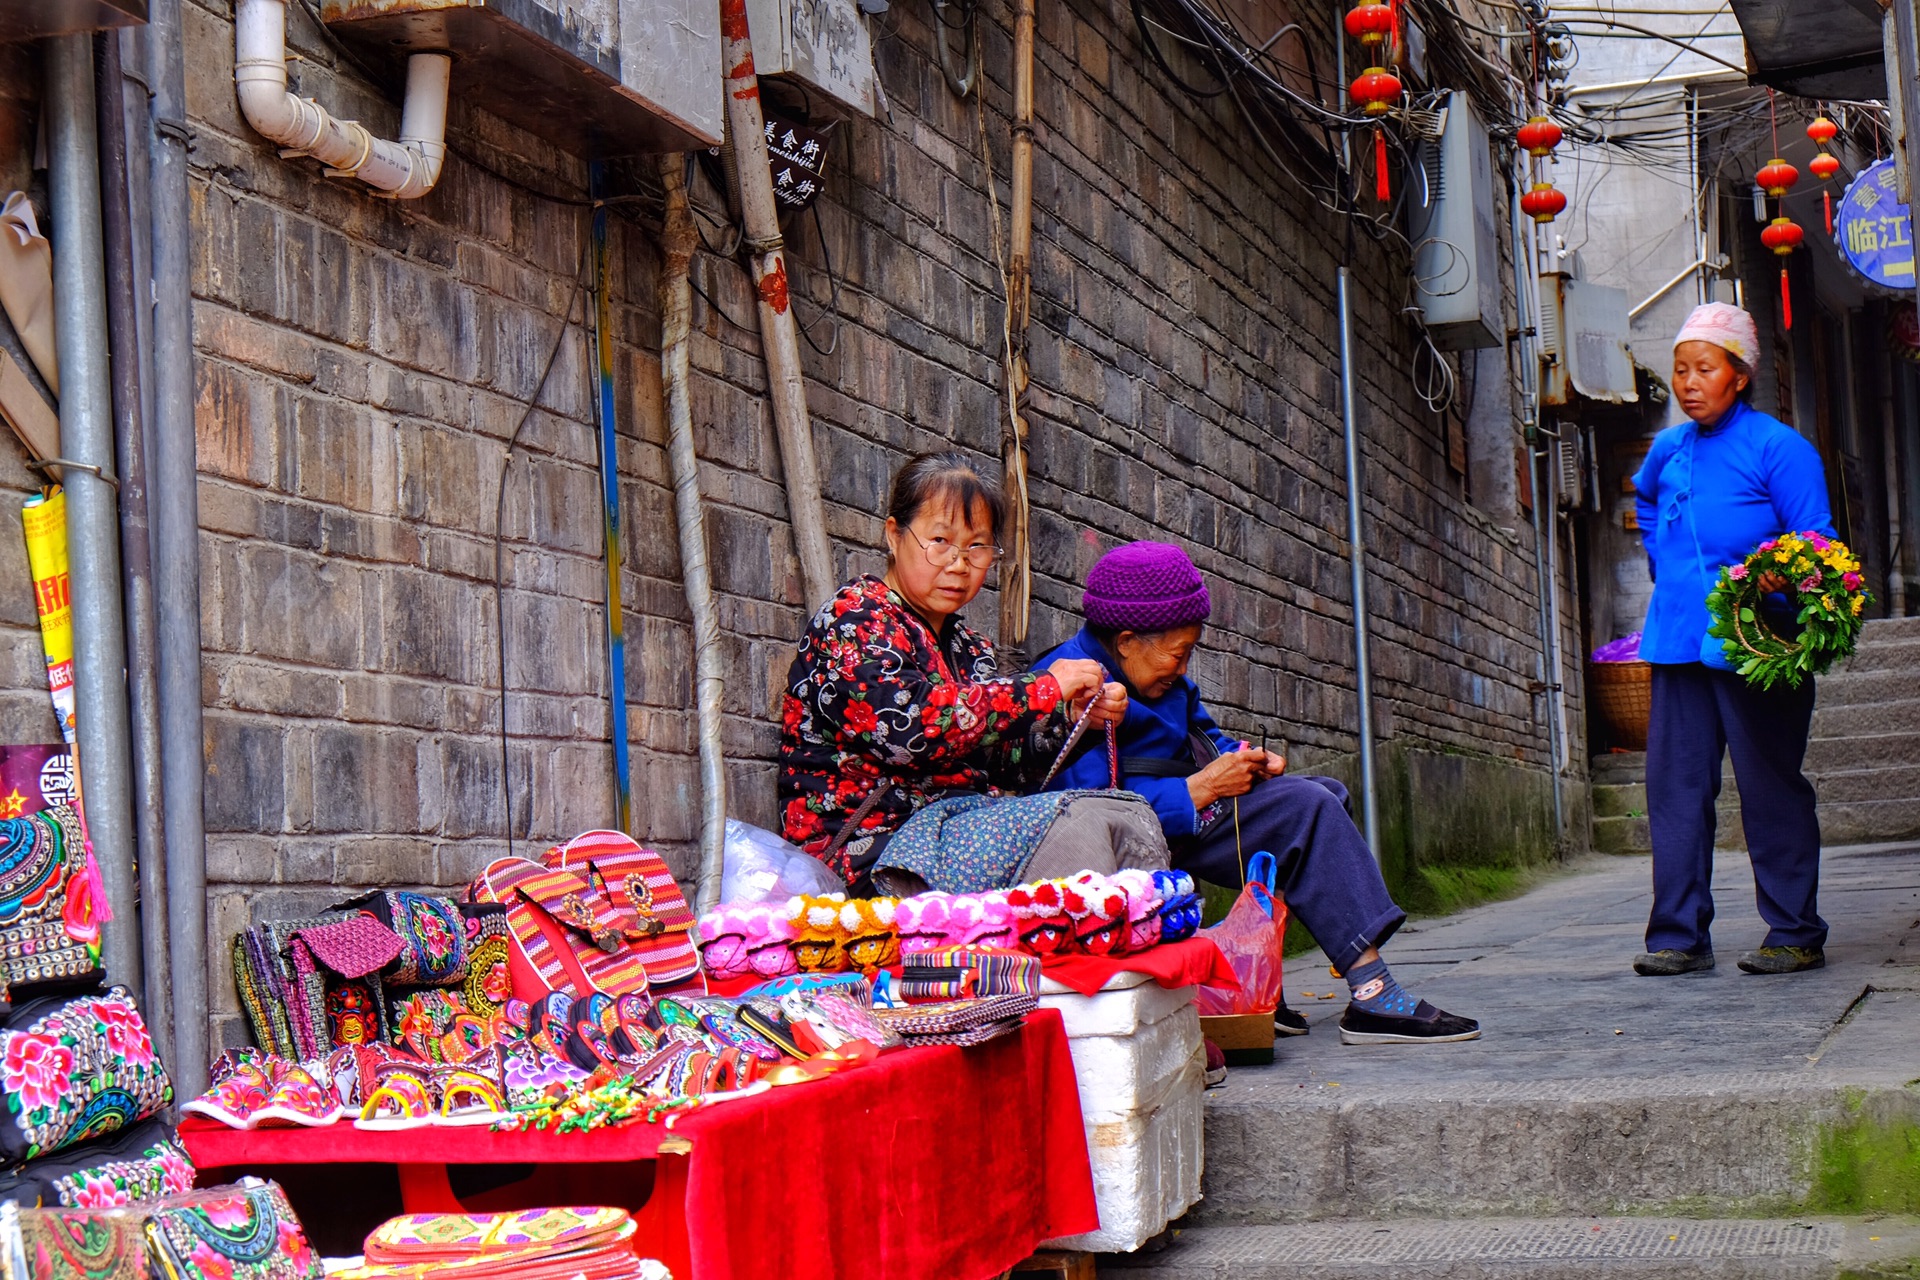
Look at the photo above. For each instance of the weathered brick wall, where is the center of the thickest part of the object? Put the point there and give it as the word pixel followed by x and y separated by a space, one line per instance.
pixel 362 364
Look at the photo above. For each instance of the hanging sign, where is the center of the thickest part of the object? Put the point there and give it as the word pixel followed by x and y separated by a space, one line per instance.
pixel 1874 229
pixel 798 157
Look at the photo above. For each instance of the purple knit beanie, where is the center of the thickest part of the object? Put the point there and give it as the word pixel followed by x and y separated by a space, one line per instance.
pixel 1145 586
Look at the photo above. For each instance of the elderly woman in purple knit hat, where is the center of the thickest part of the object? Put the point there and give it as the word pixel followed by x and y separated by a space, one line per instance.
pixel 1145 606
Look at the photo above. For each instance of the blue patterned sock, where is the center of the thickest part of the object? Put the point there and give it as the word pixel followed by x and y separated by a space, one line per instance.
pixel 1375 991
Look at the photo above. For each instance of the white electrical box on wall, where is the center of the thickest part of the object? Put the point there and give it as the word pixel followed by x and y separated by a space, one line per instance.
pixel 1451 221
pixel 600 78
pixel 822 45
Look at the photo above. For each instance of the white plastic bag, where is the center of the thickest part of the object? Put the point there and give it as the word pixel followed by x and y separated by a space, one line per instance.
pixel 761 867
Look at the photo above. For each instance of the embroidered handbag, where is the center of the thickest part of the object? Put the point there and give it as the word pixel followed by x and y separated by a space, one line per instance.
pixel 433 936
pixel 49 921
pixel 76 1069
pixel 246 1231
pixel 142 1163
pixel 954 972
pixel 71 1244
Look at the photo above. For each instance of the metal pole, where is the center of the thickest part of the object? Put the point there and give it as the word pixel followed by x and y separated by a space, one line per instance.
pixel 607 411
pixel 174 511
pixel 1357 557
pixel 93 535
pixel 136 552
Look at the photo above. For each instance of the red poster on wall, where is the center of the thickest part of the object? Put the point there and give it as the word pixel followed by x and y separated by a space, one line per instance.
pixel 35 776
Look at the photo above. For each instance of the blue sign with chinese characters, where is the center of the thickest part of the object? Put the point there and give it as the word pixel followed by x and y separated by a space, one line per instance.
pixel 1874 230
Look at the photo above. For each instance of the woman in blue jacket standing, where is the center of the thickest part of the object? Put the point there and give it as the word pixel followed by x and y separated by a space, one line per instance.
pixel 1711 490
pixel 1219 799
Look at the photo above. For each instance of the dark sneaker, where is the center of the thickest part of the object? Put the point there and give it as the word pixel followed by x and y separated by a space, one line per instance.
pixel 1668 963
pixel 1216 1064
pixel 1288 1022
pixel 1425 1025
pixel 1783 959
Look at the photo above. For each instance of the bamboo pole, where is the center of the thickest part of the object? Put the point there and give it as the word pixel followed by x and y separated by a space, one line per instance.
pixel 677 240
pixel 1016 573
pixel 779 340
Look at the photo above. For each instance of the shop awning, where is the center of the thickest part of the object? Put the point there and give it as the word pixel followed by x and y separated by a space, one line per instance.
pixel 1815 48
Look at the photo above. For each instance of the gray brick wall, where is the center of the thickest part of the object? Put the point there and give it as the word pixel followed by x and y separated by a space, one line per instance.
pixel 362 364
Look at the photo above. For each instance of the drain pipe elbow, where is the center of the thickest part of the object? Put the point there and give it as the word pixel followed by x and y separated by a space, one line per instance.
pixel 405 170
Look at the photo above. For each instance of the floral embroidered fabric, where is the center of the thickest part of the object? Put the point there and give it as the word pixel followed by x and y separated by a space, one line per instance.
pixel 879 707
pixel 241 1232
pixel 49 920
pixel 75 1070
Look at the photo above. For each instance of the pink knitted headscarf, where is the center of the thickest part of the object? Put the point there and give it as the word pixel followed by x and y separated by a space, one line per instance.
pixel 1725 326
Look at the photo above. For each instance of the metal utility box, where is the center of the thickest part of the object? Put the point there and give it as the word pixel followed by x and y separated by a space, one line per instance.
pixel 598 78
pixel 1583 342
pixel 1451 221
pixel 821 44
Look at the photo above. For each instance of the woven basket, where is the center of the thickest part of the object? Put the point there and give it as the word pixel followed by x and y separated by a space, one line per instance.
pixel 1622 693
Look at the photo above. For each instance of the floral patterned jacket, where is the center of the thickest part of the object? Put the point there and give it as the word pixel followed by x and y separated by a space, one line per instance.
pixel 876 700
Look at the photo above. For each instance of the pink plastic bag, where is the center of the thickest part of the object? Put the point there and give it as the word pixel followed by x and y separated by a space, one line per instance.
pixel 1252 938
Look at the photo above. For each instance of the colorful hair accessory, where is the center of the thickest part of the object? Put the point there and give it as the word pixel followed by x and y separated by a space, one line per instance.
pixel 1143 906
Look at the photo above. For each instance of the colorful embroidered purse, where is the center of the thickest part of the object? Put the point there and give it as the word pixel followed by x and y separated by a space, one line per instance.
pixel 71 1244
pixel 432 932
pixel 144 1163
pixel 242 1232
pixel 72 1070
pixel 49 911
pixel 956 972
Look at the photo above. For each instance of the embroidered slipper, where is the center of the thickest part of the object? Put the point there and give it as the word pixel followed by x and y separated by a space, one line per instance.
pixel 235 1098
pixel 298 1099
pixel 467 1097
pixel 401 1098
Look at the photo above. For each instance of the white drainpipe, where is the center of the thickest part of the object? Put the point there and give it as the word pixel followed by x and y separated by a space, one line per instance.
pixel 405 170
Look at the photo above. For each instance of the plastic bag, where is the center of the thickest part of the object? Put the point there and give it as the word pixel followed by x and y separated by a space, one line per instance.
pixel 1252 938
pixel 758 866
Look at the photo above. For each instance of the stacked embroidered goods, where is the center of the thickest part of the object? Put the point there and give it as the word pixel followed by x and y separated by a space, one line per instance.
pixel 245 1231
pixel 530 1244
pixel 83 1089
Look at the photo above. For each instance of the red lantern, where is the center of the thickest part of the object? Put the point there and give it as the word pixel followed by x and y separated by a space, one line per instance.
pixel 1370 22
pixel 1823 166
pixel 1539 136
pixel 1543 203
pixel 1783 236
pixel 1776 176
pixel 1376 90
pixel 1822 131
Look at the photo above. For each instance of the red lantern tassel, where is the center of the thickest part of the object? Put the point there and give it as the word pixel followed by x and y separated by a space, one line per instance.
pixel 1381 188
pixel 1826 198
pixel 1786 301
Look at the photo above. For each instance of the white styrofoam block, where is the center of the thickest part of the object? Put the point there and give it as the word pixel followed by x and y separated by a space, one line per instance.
pixel 1146 1167
pixel 1118 1012
pixel 1122 980
pixel 1123 1075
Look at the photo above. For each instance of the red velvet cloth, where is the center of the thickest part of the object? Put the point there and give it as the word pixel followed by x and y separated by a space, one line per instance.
pixel 1195 962
pixel 935 1162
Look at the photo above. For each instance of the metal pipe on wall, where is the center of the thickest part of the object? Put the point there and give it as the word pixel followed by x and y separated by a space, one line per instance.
pixel 136 553
pixel 174 513
pixel 1016 570
pixel 779 339
pixel 1357 564
pixel 607 415
pixel 93 538
pixel 677 240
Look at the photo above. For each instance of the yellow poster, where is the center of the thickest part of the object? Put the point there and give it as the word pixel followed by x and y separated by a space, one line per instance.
pixel 45 517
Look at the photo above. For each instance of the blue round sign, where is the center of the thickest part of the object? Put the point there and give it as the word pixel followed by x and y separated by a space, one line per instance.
pixel 1874 229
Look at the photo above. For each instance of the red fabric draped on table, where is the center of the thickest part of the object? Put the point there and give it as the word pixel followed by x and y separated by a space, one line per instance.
pixel 934 1162
pixel 1196 962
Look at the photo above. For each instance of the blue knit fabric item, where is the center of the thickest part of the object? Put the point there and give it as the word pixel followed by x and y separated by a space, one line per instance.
pixel 1375 991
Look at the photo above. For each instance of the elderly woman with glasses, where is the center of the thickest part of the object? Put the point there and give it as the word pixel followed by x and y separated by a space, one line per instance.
pixel 1220 800
pixel 902 744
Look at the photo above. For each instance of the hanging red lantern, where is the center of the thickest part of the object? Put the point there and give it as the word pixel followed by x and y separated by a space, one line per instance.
pixel 1543 203
pixel 1776 177
pixel 1822 131
pixel 1376 90
pixel 1822 167
pixel 1783 236
pixel 1370 22
pixel 1539 136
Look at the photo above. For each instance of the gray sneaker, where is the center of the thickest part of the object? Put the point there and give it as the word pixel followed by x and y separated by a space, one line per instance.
pixel 1671 962
pixel 1783 959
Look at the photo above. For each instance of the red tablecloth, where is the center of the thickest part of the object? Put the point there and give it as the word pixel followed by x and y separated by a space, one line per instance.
pixel 936 1162
pixel 1195 962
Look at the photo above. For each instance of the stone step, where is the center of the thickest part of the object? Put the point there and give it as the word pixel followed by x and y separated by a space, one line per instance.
pixel 1626 800
pixel 1872 687
pixel 1849 786
pixel 1869 821
pixel 1884 630
pixel 1621 835
pixel 1895 716
pixel 1883 656
pixel 1281 1149
pixel 1861 751
pixel 1810 1248
pixel 1619 767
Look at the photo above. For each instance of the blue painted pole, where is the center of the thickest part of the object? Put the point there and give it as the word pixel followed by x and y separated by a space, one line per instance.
pixel 610 507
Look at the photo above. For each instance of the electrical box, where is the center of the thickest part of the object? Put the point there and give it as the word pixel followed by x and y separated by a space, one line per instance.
pixel 1583 342
pixel 822 45
pixel 1456 254
pixel 599 78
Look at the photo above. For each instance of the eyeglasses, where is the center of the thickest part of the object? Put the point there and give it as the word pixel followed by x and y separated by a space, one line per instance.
pixel 941 553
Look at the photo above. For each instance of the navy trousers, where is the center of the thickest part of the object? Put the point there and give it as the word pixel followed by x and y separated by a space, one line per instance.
pixel 1327 874
pixel 1698 713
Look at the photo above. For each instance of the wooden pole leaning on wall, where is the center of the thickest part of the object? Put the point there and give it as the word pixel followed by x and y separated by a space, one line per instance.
pixel 1016 570
pixel 779 339
pixel 677 241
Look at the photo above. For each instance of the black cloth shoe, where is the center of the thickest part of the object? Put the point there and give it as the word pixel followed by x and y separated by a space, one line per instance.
pixel 1288 1022
pixel 1671 961
pixel 1425 1025
pixel 1783 959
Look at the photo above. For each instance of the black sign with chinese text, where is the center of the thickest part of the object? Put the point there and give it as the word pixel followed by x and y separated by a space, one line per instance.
pixel 797 156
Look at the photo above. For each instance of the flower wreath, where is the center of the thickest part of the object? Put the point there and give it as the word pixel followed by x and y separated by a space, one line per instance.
pixel 1825 578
